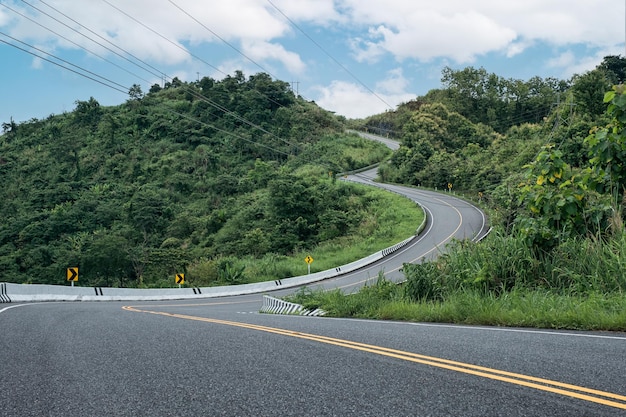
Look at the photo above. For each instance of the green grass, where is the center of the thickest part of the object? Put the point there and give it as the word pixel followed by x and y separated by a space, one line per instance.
pixel 581 285
pixel 390 220
pixel 523 308
pixel 519 308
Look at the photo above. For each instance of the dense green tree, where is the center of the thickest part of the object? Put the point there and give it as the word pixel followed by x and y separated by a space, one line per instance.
pixel 104 261
pixel 87 113
pixel 135 93
pixel 607 148
pixel 9 129
pixel 589 90
pixel 615 68
pixel 136 192
pixel 500 103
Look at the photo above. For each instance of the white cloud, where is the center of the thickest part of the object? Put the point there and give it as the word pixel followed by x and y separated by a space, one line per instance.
pixel 4 17
pixel 427 35
pixel 37 63
pixel 464 29
pixel 414 37
pixel 394 84
pixel 588 63
pixel 460 30
pixel 354 101
pixel 565 59
pixel 322 12
pixel 260 50
pixel 163 28
pixel 516 48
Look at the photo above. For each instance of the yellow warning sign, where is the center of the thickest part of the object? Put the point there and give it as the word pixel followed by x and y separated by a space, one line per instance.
pixel 72 274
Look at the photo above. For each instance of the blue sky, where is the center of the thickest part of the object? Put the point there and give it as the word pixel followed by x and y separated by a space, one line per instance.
pixel 354 57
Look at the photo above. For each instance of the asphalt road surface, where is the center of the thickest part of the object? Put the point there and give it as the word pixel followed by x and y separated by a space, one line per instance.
pixel 220 357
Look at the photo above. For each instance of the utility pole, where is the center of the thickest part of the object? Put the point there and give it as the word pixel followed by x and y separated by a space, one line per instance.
pixel 557 120
pixel 297 83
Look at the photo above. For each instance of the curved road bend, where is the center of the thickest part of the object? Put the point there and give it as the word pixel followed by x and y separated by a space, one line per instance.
pixel 220 357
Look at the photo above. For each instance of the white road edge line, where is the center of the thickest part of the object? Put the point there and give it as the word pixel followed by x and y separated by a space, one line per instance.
pixel 23 305
pixel 491 329
pixel 10 307
pixel 505 329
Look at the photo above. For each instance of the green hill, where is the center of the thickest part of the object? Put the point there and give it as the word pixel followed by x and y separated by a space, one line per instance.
pixel 189 174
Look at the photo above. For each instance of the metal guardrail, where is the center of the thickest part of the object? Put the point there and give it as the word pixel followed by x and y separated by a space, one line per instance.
pixel 34 292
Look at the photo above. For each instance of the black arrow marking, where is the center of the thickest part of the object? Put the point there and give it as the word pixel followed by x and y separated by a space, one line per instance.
pixel 73 274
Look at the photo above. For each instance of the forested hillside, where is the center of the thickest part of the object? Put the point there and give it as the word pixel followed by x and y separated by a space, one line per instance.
pixel 197 176
pixel 555 184
pixel 189 175
pixel 478 116
pixel 547 159
pixel 479 131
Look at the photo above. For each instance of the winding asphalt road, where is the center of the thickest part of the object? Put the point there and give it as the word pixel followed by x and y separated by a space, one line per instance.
pixel 221 357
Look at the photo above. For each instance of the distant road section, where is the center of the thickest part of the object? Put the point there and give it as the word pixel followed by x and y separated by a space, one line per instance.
pixel 392 144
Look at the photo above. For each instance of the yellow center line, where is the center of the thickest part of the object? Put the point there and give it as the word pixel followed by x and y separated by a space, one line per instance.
pixel 542 384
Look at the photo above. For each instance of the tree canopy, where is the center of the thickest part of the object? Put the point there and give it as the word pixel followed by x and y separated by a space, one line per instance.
pixel 189 171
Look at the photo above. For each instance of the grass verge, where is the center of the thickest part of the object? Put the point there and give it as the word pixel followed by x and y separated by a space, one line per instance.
pixel 517 308
pixel 391 219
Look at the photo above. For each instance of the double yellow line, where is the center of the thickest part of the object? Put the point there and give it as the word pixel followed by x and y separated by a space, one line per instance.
pixel 555 387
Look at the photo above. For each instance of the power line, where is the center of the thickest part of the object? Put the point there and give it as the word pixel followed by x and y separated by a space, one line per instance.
pixel 193 93
pixel 125 91
pixel 69 40
pixel 329 55
pixel 177 45
pixel 230 45
pixel 218 36
pixel 106 40
pixel 96 76
pixel 228 132
pixel 64 67
pixel 154 31
pixel 60 59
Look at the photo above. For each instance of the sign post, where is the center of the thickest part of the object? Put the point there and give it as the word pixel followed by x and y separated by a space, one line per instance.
pixel 72 274
pixel 309 261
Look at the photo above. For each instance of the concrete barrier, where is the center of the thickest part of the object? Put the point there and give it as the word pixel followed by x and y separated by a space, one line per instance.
pixel 36 292
pixel 4 297
pixel 273 305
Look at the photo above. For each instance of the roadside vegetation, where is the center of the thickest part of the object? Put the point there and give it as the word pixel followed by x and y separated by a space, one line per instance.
pixel 169 182
pixel 555 187
pixel 388 220
pixel 499 282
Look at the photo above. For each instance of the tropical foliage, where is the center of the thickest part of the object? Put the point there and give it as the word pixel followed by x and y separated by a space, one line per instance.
pixel 553 177
pixel 188 174
pixel 197 176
